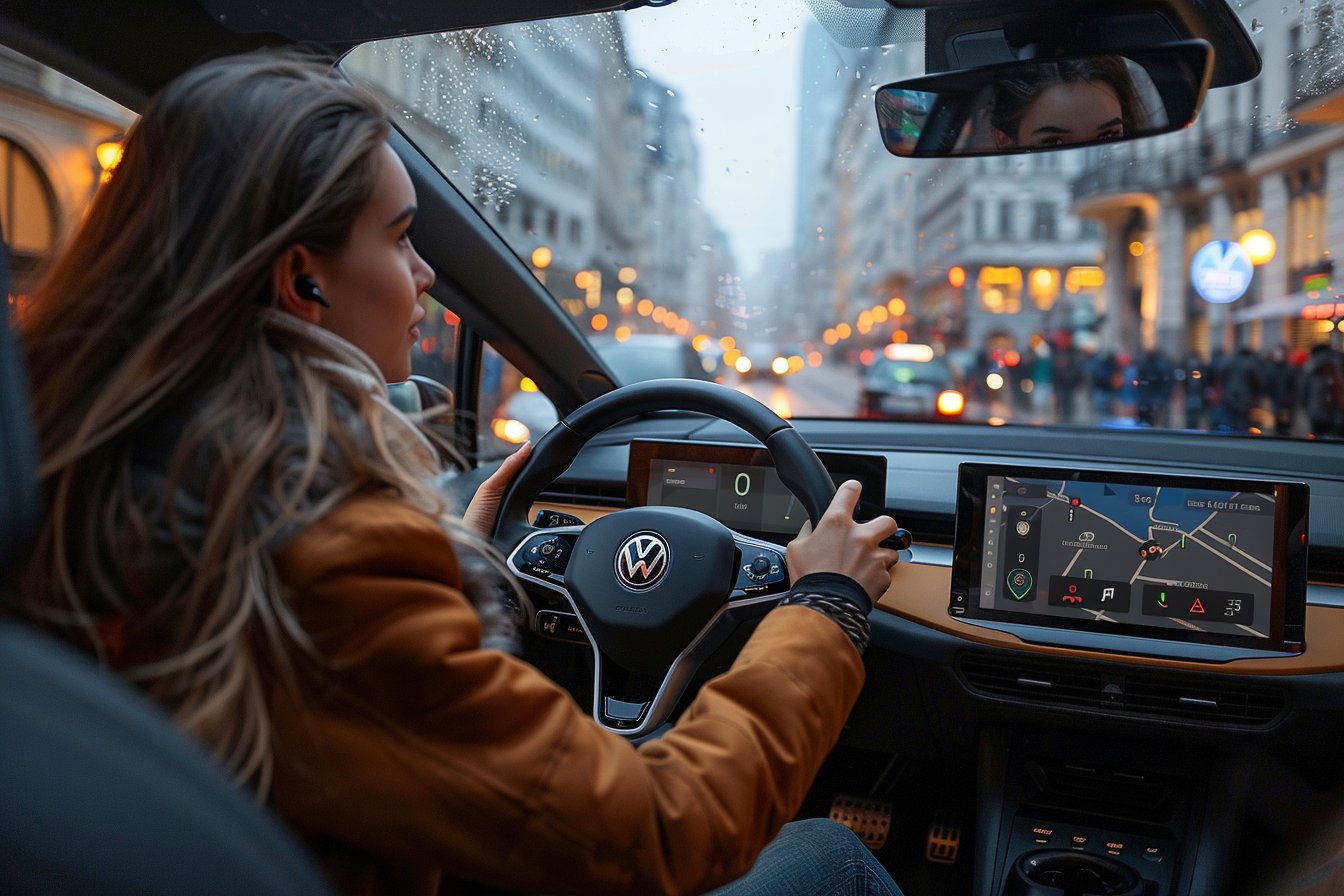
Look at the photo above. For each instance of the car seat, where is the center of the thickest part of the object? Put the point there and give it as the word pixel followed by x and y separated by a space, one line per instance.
pixel 99 793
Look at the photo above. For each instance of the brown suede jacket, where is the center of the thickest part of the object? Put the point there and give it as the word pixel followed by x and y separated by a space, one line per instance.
pixel 431 761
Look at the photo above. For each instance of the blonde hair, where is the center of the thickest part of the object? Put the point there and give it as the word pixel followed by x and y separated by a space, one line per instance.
pixel 187 427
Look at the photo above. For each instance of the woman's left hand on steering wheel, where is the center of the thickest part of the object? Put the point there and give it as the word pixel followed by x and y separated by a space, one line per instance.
pixel 483 508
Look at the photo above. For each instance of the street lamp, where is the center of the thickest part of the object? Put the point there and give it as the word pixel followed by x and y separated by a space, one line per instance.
pixel 108 154
pixel 1259 245
pixel 541 260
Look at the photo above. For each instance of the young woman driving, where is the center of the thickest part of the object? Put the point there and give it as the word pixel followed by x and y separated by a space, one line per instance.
pixel 243 525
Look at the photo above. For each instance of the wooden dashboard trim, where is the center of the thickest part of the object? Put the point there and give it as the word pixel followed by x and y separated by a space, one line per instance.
pixel 582 511
pixel 919 592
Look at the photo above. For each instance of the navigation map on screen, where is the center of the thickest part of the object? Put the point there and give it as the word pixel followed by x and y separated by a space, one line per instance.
pixel 1147 555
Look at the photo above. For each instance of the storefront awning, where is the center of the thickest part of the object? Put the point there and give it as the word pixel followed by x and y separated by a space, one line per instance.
pixel 1288 306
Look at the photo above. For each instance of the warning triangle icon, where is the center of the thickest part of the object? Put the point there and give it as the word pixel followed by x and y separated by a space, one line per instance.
pixel 1197 607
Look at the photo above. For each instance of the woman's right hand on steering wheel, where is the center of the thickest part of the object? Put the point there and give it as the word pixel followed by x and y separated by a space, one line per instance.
pixel 839 544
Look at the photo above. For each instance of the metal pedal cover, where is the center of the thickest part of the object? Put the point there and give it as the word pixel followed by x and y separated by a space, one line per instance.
pixel 943 843
pixel 870 820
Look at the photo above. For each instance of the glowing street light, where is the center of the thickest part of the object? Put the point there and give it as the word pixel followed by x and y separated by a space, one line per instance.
pixel 1259 245
pixel 108 154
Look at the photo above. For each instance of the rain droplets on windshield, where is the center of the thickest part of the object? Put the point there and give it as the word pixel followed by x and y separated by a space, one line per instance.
pixel 732 191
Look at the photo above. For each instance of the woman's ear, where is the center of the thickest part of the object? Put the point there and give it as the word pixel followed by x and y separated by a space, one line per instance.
pixel 296 290
pixel 1003 141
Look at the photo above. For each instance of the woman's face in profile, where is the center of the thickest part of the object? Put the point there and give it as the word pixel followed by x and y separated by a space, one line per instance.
pixel 1062 114
pixel 374 282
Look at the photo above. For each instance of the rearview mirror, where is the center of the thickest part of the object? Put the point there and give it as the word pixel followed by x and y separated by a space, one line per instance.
pixel 1040 104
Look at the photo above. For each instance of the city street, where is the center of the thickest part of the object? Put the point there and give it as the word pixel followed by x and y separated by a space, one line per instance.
pixel 831 390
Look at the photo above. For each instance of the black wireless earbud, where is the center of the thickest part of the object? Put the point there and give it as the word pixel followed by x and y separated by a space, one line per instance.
pixel 307 288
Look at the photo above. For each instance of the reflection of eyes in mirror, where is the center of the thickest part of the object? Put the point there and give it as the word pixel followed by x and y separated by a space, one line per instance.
pixel 1042 104
pixel 1062 103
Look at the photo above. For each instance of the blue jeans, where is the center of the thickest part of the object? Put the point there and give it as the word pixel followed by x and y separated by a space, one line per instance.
pixel 814 857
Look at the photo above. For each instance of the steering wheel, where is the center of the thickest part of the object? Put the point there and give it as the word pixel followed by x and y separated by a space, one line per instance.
pixel 654 590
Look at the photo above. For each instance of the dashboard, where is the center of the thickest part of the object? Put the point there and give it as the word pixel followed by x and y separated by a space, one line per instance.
pixel 1051 717
pixel 1203 569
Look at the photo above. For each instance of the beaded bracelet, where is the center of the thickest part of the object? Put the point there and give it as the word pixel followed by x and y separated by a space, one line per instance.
pixel 844 612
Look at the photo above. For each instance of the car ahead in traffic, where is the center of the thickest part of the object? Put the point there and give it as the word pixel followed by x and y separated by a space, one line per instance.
pixel 908 382
pixel 653 356
pixel 1046 696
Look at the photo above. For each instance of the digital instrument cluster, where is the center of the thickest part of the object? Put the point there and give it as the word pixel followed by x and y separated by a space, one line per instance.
pixel 738 485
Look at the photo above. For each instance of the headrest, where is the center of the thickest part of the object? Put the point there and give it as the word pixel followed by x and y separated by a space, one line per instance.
pixel 19 500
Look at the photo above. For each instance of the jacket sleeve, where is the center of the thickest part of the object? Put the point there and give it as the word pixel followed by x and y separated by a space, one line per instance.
pixel 426 747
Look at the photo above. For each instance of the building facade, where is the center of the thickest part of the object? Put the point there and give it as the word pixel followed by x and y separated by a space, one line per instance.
pixel 1266 155
pixel 50 131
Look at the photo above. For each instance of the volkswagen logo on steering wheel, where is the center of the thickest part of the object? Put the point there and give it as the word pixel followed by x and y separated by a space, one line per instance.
pixel 642 560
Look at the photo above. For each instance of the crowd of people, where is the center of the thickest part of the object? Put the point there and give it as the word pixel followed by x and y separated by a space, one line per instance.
pixel 1286 392
pixel 1281 391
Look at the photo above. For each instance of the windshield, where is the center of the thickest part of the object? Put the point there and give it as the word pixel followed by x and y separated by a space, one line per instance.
pixel 712 171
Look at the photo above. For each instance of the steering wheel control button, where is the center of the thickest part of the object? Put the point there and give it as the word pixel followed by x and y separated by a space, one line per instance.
pixel 762 570
pixel 561 627
pixel 621 714
pixel 544 555
pixel 553 519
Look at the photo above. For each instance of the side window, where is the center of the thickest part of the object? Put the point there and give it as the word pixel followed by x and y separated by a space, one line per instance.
pixel 57 140
pixel 436 355
pixel 512 409
pixel 27 208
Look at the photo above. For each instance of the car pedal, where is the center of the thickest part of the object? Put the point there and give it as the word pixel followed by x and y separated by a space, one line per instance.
pixel 943 843
pixel 870 820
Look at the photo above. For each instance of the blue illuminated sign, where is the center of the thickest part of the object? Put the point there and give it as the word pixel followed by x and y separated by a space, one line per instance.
pixel 1221 271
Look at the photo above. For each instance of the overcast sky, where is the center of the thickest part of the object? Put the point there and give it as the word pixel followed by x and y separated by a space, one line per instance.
pixel 739 82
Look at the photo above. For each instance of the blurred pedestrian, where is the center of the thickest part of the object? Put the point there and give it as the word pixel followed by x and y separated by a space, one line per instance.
pixel 1213 389
pixel 1321 388
pixel 1242 388
pixel 1102 372
pixel 1191 379
pixel 1155 377
pixel 1066 373
pixel 1282 376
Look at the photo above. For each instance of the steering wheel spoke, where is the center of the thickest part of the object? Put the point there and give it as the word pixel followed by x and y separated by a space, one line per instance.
pixel 634 703
pixel 540 559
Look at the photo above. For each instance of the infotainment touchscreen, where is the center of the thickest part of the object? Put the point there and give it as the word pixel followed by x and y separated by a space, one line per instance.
pixel 738 485
pixel 1178 559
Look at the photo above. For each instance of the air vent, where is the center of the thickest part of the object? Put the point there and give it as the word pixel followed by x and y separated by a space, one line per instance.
pixel 1208 699
pixel 586 494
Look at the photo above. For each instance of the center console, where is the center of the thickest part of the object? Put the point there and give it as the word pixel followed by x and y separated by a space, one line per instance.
pixel 1202 570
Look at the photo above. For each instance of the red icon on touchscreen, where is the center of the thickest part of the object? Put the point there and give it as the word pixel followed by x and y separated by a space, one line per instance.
pixel 1197 607
pixel 1073 597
